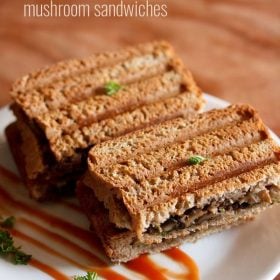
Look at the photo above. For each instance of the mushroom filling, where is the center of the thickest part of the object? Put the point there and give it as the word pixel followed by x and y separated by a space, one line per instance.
pixel 196 216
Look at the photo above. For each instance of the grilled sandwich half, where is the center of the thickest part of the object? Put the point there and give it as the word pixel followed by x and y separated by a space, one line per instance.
pixel 180 180
pixel 65 109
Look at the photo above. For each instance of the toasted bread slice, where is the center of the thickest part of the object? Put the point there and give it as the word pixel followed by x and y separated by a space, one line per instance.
pixel 174 131
pixel 66 109
pixel 122 245
pixel 145 185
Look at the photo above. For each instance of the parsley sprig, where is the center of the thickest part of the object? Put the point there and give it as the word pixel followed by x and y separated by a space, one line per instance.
pixel 7 247
pixel 196 160
pixel 112 88
pixel 89 276
pixel 9 251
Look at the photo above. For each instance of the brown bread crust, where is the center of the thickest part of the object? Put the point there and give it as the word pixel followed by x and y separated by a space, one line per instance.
pixel 27 153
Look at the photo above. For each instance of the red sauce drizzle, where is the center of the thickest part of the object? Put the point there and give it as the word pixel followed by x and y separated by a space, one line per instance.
pixel 102 267
pixel 142 264
pixel 48 270
pixel 182 258
pixel 53 221
pixel 74 230
pixel 60 239
pixel 145 266
pixel 45 247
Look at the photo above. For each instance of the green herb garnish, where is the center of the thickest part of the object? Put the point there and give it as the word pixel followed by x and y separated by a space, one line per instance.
pixel 196 160
pixel 6 243
pixel 89 276
pixel 7 247
pixel 9 251
pixel 112 88
pixel 8 222
pixel 21 258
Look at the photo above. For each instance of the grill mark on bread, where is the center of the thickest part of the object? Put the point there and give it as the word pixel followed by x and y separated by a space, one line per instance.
pixel 194 177
pixel 138 196
pixel 69 68
pixel 73 116
pixel 185 104
pixel 177 130
pixel 96 108
pixel 174 156
pixel 77 88
pixel 139 64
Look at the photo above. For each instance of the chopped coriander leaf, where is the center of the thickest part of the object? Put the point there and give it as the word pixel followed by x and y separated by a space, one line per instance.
pixel 196 160
pixel 21 258
pixel 9 251
pixel 8 222
pixel 89 276
pixel 6 243
pixel 112 88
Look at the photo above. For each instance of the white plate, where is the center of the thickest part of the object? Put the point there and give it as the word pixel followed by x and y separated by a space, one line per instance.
pixel 251 251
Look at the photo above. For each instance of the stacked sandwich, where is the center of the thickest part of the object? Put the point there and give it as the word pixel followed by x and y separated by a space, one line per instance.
pixel 152 171
pixel 65 109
